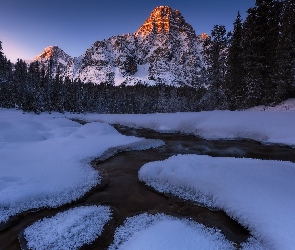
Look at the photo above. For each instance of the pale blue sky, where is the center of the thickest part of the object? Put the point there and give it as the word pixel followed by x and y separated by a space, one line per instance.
pixel 27 27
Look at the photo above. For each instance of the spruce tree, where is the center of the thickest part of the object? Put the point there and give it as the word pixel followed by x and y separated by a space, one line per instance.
pixel 234 77
pixel 2 65
pixel 215 54
pixel 20 81
pixel 286 88
pixel 48 85
pixel 5 67
pixel 34 87
pixel 260 57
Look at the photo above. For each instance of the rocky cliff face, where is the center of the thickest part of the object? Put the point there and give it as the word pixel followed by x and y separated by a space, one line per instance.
pixel 57 56
pixel 164 50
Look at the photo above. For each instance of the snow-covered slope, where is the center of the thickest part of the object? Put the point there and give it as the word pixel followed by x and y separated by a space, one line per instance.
pixel 165 49
pixel 59 59
pixel 287 105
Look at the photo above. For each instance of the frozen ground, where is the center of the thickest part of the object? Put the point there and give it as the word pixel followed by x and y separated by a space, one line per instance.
pixel 160 231
pixel 44 162
pixel 274 126
pixel 68 230
pixel 258 193
pixel 45 159
pixel 284 106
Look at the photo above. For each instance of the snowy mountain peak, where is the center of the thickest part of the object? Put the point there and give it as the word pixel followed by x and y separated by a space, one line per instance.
pixel 55 53
pixel 204 36
pixel 163 19
pixel 46 53
pixel 59 58
pixel 164 50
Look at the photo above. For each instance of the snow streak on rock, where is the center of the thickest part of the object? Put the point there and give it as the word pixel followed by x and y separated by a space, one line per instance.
pixel 59 59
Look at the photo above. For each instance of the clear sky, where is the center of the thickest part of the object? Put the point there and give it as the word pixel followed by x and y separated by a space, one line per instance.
pixel 28 26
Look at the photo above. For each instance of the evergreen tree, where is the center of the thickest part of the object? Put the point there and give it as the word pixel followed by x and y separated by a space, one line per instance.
pixel 234 77
pixel 286 88
pixel 260 57
pixel 48 85
pixel 20 75
pixel 5 67
pixel 7 91
pixel 35 92
pixel 215 55
pixel 2 64
pixel 58 93
pixel 1 59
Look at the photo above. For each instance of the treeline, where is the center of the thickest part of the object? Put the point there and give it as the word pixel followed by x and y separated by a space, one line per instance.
pixel 254 64
pixel 34 89
pixel 5 67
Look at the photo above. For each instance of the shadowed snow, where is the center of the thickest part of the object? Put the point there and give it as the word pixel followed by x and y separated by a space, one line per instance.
pixel 258 193
pixel 161 231
pixel 68 230
pixel 45 159
pixel 267 127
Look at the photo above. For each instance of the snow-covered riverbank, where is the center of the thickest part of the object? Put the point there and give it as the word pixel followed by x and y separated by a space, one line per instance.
pixel 45 159
pixel 267 127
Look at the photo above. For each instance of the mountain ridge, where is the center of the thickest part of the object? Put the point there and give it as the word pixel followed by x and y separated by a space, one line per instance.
pixel 164 50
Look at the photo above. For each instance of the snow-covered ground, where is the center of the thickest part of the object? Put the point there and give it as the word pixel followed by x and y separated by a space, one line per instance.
pixel 44 159
pixel 160 231
pixel 44 162
pixel 68 230
pixel 285 105
pixel 266 127
pixel 258 193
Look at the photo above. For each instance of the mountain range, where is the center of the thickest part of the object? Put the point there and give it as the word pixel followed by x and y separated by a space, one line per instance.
pixel 164 50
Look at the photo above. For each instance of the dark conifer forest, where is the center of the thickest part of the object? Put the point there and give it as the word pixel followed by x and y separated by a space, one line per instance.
pixel 252 65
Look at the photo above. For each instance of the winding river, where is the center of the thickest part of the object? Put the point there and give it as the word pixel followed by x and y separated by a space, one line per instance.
pixel 127 196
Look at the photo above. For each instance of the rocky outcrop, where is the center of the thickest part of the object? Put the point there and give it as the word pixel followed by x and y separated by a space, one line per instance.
pixel 56 56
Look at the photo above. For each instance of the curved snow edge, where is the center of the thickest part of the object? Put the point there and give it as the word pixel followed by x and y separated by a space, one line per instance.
pixel 144 144
pixel 69 229
pixel 134 227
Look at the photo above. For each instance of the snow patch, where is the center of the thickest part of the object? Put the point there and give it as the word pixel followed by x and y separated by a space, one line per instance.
pixel 160 231
pixel 287 105
pixel 142 71
pixel 257 193
pixel 68 230
pixel 45 159
pixel 119 79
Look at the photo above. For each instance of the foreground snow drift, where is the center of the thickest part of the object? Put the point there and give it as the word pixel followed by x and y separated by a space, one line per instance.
pixel 267 127
pixel 68 230
pixel 44 159
pixel 161 231
pixel 258 193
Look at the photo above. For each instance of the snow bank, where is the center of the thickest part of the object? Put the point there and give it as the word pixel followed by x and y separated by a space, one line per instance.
pixel 258 193
pixel 161 231
pixel 266 127
pixel 288 104
pixel 68 230
pixel 45 158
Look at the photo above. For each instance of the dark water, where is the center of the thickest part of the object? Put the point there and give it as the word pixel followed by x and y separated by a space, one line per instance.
pixel 127 196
